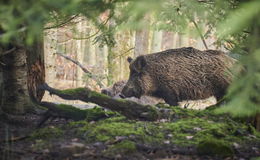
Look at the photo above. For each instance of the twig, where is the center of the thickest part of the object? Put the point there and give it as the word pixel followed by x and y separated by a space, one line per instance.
pixel 14 139
pixel 125 53
pixel 82 38
pixel 83 68
pixel 75 62
pixel 88 37
pixel 200 34
pixel 8 51
pixel 15 32
pixel 63 23
pixel 3 64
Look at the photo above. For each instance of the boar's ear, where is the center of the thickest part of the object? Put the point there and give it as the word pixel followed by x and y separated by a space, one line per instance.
pixel 140 63
pixel 129 59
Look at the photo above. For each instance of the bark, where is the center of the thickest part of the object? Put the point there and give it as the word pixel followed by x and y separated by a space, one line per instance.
pixel 36 69
pixel 257 122
pixel 22 72
pixel 130 109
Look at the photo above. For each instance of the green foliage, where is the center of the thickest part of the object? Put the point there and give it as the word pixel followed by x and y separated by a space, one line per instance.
pixel 244 94
pixel 240 19
pixel 28 18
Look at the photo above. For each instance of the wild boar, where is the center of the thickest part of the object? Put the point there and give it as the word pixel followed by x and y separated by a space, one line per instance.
pixel 181 74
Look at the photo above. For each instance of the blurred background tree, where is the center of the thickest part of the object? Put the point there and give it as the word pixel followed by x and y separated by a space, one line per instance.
pixel 234 23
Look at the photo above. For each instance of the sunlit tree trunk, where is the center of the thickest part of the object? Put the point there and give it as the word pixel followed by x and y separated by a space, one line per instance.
pixel 79 50
pixel 167 40
pixel 111 66
pixel 156 41
pixel 141 42
pixel 50 47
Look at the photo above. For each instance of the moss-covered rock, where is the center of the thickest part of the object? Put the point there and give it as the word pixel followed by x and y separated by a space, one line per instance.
pixel 215 147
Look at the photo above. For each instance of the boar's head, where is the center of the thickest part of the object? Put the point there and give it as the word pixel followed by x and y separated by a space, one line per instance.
pixel 140 81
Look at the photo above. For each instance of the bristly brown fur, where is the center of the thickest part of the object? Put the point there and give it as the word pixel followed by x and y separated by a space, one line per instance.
pixel 180 74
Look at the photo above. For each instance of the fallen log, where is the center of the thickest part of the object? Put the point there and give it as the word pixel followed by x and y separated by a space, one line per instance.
pixel 129 109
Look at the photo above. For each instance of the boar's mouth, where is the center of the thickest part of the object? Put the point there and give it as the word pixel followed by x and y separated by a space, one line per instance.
pixel 129 93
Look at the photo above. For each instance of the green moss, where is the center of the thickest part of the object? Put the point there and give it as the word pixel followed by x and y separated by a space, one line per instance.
pixel 40 145
pixel 98 113
pixel 92 114
pixel 71 111
pixel 73 91
pixel 96 94
pixel 187 128
pixel 110 128
pixel 215 147
pixel 182 132
pixel 191 131
pixel 77 124
pixel 124 147
pixel 107 131
pixel 47 133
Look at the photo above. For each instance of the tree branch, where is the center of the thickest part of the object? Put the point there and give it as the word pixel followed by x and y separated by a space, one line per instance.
pixel 62 23
pixel 200 34
pixel 83 69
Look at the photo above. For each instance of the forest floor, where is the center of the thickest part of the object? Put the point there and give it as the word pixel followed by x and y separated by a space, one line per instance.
pixel 189 135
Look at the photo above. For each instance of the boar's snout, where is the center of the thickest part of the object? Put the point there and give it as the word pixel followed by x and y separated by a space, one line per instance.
pixel 129 91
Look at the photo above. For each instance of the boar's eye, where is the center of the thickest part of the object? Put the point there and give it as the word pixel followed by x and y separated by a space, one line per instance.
pixel 134 73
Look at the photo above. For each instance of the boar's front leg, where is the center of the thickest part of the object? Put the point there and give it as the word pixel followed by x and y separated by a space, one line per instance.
pixel 171 99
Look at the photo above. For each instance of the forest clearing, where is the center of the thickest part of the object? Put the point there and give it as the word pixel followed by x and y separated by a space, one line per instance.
pixel 123 79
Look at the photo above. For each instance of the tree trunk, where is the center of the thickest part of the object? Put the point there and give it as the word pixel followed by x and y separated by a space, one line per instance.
pixel 22 71
pixel 167 40
pixel 156 41
pixel 141 42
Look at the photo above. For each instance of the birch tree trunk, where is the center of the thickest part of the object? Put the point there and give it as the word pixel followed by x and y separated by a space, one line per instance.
pixel 80 55
pixel 50 47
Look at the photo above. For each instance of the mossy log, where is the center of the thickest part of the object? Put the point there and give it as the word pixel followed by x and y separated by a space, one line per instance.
pixel 129 109
pixel 70 112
